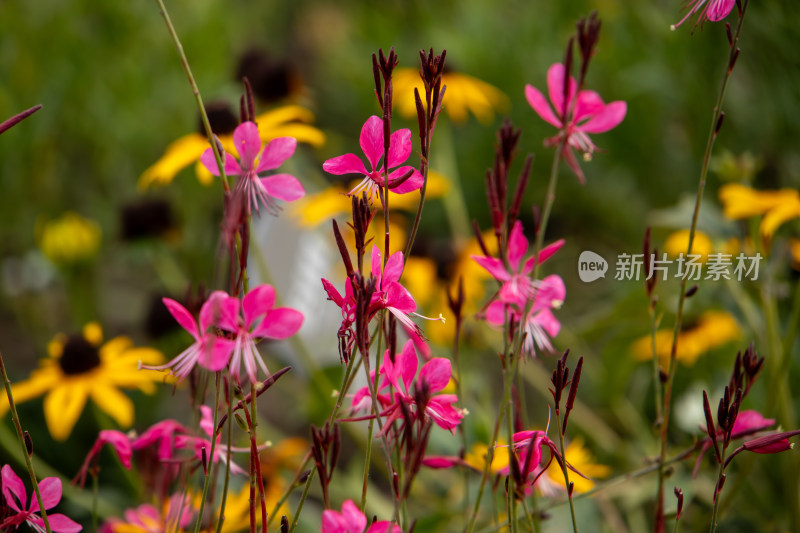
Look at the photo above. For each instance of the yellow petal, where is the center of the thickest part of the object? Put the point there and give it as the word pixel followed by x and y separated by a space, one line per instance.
pixel 39 383
pixel 282 115
pixel 778 216
pixel 740 201
pixel 179 155
pixel 63 406
pixel 314 209
pixel 302 132
pixel 678 242
pixel 114 403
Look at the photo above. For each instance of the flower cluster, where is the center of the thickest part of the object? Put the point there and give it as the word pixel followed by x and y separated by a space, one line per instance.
pixel 229 330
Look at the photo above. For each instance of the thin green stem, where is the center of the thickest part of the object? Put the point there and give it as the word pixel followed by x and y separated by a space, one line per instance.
pixel 210 457
pixel 302 500
pixel 565 471
pixel 196 91
pixel 21 438
pixel 226 482
pixel 667 403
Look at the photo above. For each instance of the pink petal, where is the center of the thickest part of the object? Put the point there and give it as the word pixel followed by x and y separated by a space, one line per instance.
pixel 232 167
pixel 345 164
pixel 439 462
pixel 283 186
pixel 555 86
pixel 121 444
pixel 50 489
pixel 375 260
pixel 496 313
pixel 393 268
pixel 372 140
pixel 384 526
pixel 333 294
pixel 399 147
pixel 546 253
pixel 257 302
pixel 444 414
pixel 247 143
pixel 750 420
pixel 276 152
pixel 61 524
pixel 517 245
pixel 719 9
pixel 436 373
pixel 587 104
pixel 569 157
pixel 182 316
pixel 547 321
pixel 280 323
pixel 355 519
pixel 609 118
pixel 408 364
pixel 539 104
pixel 219 310
pixel 411 184
pixel 12 485
pixel 216 352
pixel 333 522
pixel 494 266
pixel 398 297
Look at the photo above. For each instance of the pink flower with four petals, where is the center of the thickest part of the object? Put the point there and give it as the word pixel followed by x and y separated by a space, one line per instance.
pixel 251 164
pixel 352 520
pixel 17 499
pixel 576 117
pixel 371 141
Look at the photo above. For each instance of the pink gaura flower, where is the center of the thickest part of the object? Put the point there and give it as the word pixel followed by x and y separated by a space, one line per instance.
pixel 17 500
pixel 517 285
pixel 371 141
pixel 120 443
pixel 162 434
pixel 352 520
pixel 713 10
pixel 251 164
pixel 748 422
pixel 347 303
pixel 209 349
pixel 540 324
pixel 389 293
pixel 581 113
pixel 197 444
pixel 401 376
pixel 259 320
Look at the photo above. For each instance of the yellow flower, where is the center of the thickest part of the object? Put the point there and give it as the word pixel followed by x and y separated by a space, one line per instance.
pixel 79 368
pixel 69 239
pixel 285 121
pixel 581 459
pixel 476 457
pixel 713 329
pixel 677 243
pixel 777 207
pixel 315 209
pixel 464 94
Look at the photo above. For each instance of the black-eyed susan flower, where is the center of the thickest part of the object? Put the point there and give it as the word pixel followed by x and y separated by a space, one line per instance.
pixel 284 121
pixel 713 329
pixel 69 239
pixel 80 367
pixel 777 207
pixel 464 95
pixel 678 242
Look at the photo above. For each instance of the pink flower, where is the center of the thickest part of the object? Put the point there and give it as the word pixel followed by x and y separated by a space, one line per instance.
pixel 163 434
pixel 352 520
pixel 209 350
pixel 251 164
pixel 197 444
pixel 748 422
pixel 259 320
pixel 577 116
pixel 517 285
pixel 540 323
pixel 347 303
pixel 372 144
pixel 389 294
pixel 17 499
pixel 713 10
pixel 121 445
pixel 401 375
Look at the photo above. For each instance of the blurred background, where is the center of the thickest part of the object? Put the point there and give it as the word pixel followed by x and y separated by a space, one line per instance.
pixel 114 97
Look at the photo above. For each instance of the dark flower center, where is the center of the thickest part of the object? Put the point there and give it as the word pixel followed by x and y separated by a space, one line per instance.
pixel 79 356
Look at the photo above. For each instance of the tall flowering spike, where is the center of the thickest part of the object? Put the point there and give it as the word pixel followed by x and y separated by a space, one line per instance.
pixel 402 179
pixel 16 498
pixel 713 10
pixel 255 190
pixel 585 113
